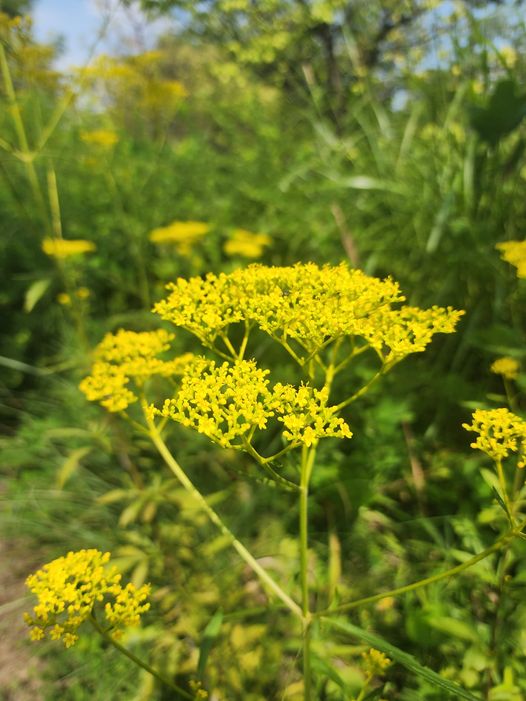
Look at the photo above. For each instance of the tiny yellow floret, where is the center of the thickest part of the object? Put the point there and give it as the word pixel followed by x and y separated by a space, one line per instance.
pixel 69 588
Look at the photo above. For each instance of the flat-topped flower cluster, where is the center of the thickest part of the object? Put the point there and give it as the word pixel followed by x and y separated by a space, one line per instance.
pixel 500 432
pixel 69 588
pixel 229 402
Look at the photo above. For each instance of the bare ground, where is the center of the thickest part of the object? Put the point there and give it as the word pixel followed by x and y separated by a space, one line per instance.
pixel 19 666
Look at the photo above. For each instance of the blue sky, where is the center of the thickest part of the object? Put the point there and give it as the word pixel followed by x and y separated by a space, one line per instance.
pixel 79 22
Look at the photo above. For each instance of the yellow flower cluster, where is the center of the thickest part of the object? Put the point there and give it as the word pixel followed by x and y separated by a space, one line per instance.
pixel 246 244
pixel 103 138
pixel 500 433
pixel 395 333
pixel 306 416
pixel 514 252
pixel 64 248
pixel 507 367
pixel 125 356
pixel 69 588
pixel 183 234
pixel 229 402
pixel 312 305
pixel 375 662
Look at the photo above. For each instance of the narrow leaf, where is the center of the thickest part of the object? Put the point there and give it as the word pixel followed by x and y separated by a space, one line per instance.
pixel 210 634
pixel 34 293
pixel 70 465
pixel 403 658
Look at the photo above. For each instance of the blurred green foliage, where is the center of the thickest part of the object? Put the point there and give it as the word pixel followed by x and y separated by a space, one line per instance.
pixel 405 157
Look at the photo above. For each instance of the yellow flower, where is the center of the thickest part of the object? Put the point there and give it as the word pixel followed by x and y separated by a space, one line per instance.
pixel 183 234
pixel 246 244
pixel 83 293
pixel 514 252
pixel 104 138
pixel 64 299
pixel 127 356
pixel 229 402
pixel 64 248
pixel 509 55
pixel 375 662
pixel 507 367
pixel 500 433
pixel 307 304
pixel 69 588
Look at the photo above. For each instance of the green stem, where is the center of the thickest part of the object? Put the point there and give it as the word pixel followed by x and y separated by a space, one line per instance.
pixel 228 345
pixel 244 342
pixel 502 483
pixel 361 391
pixel 216 519
pixel 365 688
pixel 307 463
pixel 137 660
pixel 264 462
pixel 27 156
pixel 498 545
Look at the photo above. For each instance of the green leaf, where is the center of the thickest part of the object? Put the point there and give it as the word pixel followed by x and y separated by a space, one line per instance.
pixel 505 110
pixel 323 669
pixel 34 293
pixel 403 658
pixel 453 627
pixel 70 465
pixel 210 634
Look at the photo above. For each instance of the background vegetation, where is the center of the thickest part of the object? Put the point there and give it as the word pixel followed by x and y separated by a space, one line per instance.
pixel 386 133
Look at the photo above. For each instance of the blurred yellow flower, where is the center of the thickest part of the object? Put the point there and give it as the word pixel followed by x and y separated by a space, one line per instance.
pixel 64 248
pixel 104 138
pixel 182 234
pixel 507 367
pixel 375 662
pixel 83 293
pixel 246 244
pixel 514 252
pixel 69 588
pixel 508 55
pixel 64 298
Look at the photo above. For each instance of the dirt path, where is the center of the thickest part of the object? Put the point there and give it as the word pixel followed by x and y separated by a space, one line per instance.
pixel 19 667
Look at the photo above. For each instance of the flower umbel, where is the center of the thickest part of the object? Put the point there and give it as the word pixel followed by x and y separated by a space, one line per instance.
pixel 127 356
pixel 507 367
pixel 306 304
pixel 68 590
pixel 182 234
pixel 229 402
pixel 66 248
pixel 500 433
pixel 375 662
pixel 246 244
